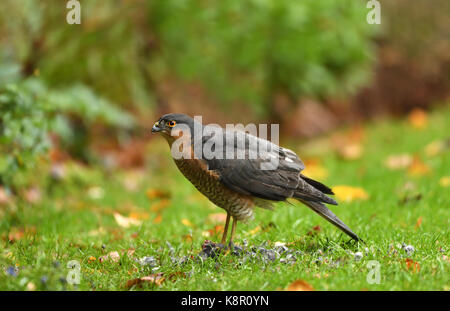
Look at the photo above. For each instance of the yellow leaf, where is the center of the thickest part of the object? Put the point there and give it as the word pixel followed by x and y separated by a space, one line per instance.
pixel 418 168
pixel 300 285
pixel 445 181
pixel 139 215
pixel 186 222
pixel 314 169
pixel 434 148
pixel 348 193
pixel 126 222
pixel 255 230
pixel 418 118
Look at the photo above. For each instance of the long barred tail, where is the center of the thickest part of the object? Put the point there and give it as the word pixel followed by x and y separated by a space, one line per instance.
pixel 323 211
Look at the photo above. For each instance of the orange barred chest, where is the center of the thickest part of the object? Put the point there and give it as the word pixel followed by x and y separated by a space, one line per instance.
pixel 207 182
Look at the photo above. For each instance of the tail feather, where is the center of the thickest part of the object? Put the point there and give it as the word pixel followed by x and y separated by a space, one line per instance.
pixel 323 211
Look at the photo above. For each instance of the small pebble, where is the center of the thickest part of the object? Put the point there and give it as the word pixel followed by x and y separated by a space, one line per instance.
pixel 148 261
pixel 409 249
pixel 358 256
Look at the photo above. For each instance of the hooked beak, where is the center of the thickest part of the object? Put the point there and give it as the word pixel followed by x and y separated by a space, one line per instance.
pixel 156 128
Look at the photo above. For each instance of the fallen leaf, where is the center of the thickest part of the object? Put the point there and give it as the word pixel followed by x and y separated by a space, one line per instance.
pixel 126 222
pixel 434 148
pixel 419 222
pixel 130 252
pixel 418 118
pixel 445 181
pixel 157 279
pixel 139 215
pixel 351 151
pixel 160 205
pixel 418 168
pixel 157 194
pixel 157 219
pixel 92 258
pixel 314 169
pixel 113 256
pixel 186 222
pixel 399 161
pixel 349 193
pixel 300 285
pixel 411 265
pixel 349 145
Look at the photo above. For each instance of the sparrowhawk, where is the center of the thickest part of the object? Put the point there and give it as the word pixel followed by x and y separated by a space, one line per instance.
pixel 239 184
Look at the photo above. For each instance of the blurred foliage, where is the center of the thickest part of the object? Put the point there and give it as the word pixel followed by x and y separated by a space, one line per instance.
pixel 241 52
pixel 248 51
pixel 29 111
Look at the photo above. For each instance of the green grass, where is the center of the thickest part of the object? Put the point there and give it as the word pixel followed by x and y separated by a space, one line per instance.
pixel 68 224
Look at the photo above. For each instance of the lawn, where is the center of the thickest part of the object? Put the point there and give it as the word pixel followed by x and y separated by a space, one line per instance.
pixel 124 225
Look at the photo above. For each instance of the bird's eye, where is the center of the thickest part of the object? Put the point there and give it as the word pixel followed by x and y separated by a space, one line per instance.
pixel 171 123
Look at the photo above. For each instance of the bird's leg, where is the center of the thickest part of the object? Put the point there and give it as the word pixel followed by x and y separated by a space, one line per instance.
pixel 233 230
pixel 225 230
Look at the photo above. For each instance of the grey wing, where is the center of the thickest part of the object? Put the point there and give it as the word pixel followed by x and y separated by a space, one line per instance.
pixel 250 176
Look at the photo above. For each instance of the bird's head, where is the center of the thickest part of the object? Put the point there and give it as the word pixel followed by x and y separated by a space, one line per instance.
pixel 169 123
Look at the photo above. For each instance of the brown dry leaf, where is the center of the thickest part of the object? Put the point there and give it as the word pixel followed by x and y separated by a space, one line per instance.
pixel 217 217
pixel 130 252
pixel 349 193
pixel 186 222
pixel 411 265
pixel 300 285
pixel 419 222
pixel 18 233
pixel 126 222
pixel 314 169
pixel 444 181
pixel 113 256
pixel 15 234
pixel 157 219
pixel 399 161
pixel 157 194
pixel 418 118
pixel 157 279
pixel 418 168
pixel 160 205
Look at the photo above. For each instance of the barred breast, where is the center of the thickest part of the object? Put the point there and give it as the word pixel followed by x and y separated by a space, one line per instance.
pixel 207 182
